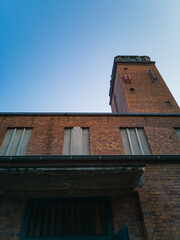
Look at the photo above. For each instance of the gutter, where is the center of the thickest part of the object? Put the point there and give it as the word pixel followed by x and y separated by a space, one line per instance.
pixel 86 114
pixel 85 160
pixel 42 168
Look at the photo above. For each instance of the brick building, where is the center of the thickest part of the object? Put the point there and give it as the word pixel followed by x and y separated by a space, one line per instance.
pixel 95 176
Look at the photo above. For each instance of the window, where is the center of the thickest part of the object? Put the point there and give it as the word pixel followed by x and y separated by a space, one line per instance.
pixel 76 141
pixel 135 141
pixel 178 131
pixel 16 141
pixel 61 218
pixel 168 104
pixel 132 90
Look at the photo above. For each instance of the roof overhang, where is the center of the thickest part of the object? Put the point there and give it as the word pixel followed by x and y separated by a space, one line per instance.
pixel 68 173
pixel 121 172
pixel 119 177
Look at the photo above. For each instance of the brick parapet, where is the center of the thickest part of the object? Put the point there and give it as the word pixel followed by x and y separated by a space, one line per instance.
pixel 105 139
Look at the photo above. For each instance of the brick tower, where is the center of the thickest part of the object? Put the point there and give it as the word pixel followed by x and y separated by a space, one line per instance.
pixel 138 87
pixel 95 176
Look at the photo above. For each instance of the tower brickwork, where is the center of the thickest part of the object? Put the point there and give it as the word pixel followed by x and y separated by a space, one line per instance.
pixel 138 87
pixel 95 175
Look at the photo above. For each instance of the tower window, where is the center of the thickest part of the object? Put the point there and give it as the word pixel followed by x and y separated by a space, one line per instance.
pixel 168 104
pixel 76 141
pixel 132 89
pixel 16 141
pixel 125 68
pixel 67 218
pixel 135 141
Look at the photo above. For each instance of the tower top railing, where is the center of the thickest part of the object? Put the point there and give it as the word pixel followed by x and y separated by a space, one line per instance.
pixel 127 58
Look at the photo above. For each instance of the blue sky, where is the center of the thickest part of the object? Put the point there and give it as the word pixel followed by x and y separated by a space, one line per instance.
pixel 57 55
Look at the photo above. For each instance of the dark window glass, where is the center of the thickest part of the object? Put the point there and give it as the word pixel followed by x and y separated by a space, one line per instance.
pixel 67 217
pixel 168 103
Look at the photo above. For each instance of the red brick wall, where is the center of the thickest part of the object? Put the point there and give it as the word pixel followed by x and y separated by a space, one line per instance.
pixel 149 96
pixel 158 212
pixel 126 211
pixel 160 198
pixel 105 139
pixel 11 217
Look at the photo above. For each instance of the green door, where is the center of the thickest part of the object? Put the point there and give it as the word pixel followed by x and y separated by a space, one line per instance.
pixel 123 234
